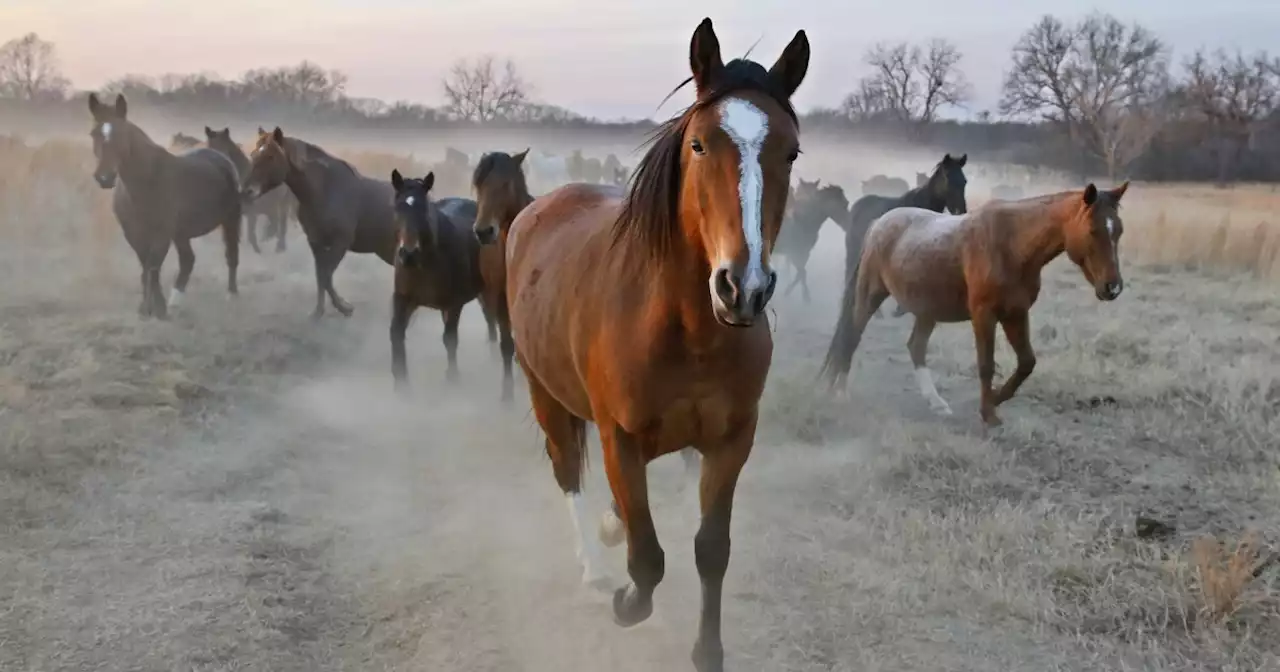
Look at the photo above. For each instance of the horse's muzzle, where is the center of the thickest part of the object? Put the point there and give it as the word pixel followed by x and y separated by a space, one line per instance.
pixel 1110 291
pixel 737 303
pixel 487 236
pixel 407 257
pixel 105 180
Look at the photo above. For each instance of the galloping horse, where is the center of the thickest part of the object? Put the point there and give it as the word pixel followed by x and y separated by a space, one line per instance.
pixel 339 209
pixel 944 189
pixel 501 193
pixel 437 266
pixel 275 206
pixel 643 312
pixel 982 267
pixel 812 207
pixel 162 199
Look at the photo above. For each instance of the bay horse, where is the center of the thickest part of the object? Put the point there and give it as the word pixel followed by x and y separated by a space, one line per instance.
pixel 982 267
pixel 274 206
pixel 944 190
pixel 162 199
pixel 437 266
pixel 501 193
pixel 339 209
pixel 642 311
pixel 812 207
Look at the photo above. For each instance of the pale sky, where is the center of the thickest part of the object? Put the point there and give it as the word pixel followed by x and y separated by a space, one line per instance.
pixel 606 58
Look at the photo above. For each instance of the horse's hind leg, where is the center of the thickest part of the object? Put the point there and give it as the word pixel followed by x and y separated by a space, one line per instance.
pixel 720 469
pixel 231 250
pixel 186 262
pixel 862 298
pixel 566 445
pixel 251 227
pixel 918 346
pixel 451 317
pixel 401 310
pixel 625 463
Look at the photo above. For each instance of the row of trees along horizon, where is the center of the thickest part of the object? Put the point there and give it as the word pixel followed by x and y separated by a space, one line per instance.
pixel 1096 96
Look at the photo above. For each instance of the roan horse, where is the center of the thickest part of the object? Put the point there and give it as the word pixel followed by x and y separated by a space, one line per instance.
pixel 339 209
pixel 813 206
pixel 163 199
pixel 643 312
pixel 944 189
pixel 275 206
pixel 437 266
pixel 983 267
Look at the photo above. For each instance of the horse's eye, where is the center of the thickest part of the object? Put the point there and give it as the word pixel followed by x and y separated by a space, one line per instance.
pixel 697 147
pixel 793 155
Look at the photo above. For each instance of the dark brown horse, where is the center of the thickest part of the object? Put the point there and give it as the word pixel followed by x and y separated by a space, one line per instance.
pixel 501 193
pixel 944 190
pixel 275 206
pixel 643 312
pixel 437 265
pixel 339 209
pixel 983 267
pixel 813 206
pixel 162 199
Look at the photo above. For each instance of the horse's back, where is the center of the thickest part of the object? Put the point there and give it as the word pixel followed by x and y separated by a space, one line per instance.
pixel 461 210
pixel 564 219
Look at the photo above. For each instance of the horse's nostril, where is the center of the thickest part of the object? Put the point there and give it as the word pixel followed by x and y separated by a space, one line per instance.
pixel 725 287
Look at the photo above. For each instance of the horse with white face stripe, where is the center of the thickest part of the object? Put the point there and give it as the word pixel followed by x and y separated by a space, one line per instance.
pixel 981 267
pixel 658 365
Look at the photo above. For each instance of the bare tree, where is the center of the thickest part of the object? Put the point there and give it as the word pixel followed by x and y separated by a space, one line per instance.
pixel 29 70
pixel 869 101
pixel 483 90
pixel 1103 83
pixel 910 82
pixel 1235 95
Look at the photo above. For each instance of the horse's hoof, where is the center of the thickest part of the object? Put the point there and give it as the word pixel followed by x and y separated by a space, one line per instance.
pixel 612 531
pixel 941 408
pixel 316 315
pixel 451 376
pixel 708 658
pixel 401 387
pixel 346 310
pixel 628 607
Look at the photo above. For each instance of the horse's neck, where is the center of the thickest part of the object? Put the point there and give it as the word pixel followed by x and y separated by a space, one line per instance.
pixel 146 162
pixel 1039 238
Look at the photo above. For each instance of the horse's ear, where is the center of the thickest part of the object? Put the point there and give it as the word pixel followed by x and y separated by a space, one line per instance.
pixel 1090 195
pixel 947 160
pixel 964 158
pixel 704 56
pixel 278 135
pixel 95 106
pixel 397 180
pixel 429 181
pixel 262 131
pixel 122 107
pixel 520 157
pixel 789 70
pixel 208 132
pixel 1118 192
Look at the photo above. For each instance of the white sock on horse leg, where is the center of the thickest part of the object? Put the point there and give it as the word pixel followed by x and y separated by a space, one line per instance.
pixel 924 378
pixel 585 547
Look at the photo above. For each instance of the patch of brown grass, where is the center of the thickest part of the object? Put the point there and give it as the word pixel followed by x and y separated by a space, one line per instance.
pixel 1224 578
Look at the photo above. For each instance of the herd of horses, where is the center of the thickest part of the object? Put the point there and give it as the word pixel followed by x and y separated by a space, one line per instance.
pixel 670 348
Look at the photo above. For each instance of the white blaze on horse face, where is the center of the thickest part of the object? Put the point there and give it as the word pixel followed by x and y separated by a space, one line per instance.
pixel 409 200
pixel 587 548
pixel 748 127
pixel 106 131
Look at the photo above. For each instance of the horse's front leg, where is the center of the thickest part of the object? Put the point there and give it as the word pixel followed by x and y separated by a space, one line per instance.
pixel 452 317
pixel 401 310
pixel 625 465
pixel 721 465
pixel 507 345
pixel 186 262
pixel 1017 328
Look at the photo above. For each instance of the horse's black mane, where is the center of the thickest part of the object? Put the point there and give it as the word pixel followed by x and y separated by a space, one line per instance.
pixel 650 212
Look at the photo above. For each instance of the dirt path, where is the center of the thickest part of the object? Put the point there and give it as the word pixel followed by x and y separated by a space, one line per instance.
pixel 240 491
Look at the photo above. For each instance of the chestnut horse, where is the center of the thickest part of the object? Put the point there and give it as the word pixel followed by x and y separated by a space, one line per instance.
pixel 982 267
pixel 163 199
pixel 437 266
pixel 643 312
pixel 339 209
pixel 275 206
pixel 812 207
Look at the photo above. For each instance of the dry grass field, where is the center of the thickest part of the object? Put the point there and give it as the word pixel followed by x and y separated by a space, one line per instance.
pixel 239 489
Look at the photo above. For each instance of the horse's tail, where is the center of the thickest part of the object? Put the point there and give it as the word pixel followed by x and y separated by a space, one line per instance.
pixel 840 353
